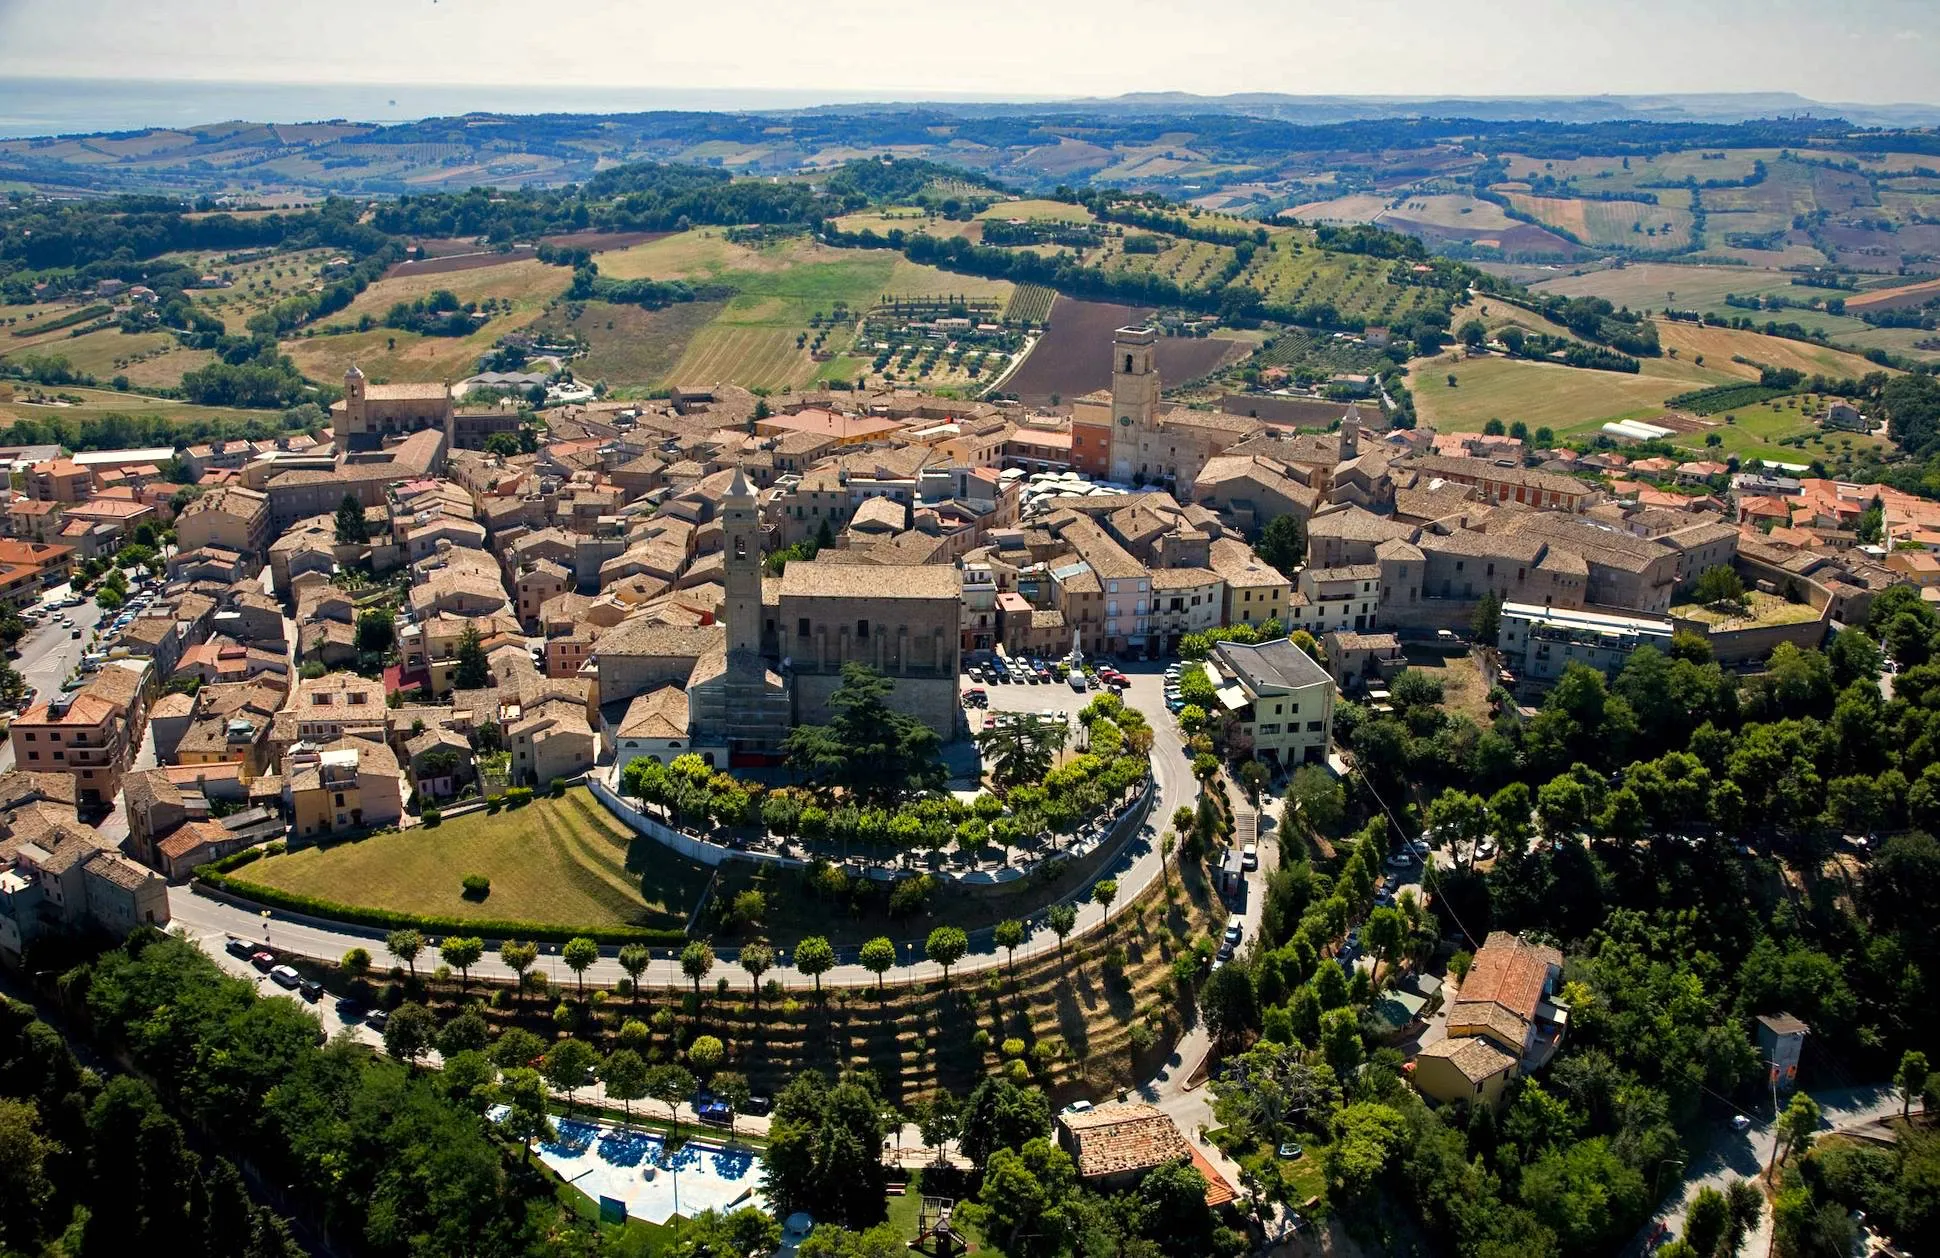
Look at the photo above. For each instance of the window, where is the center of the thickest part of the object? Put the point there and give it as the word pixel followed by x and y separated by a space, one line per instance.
pixel 801 627
pixel 862 630
pixel 1313 727
pixel 340 799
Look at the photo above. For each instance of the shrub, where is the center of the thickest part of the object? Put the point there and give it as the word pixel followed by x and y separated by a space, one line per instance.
pixel 556 787
pixel 431 816
pixel 477 886
pixel 1145 1037
pixel 518 797
pixel 981 1040
pixel 1020 1073
pixel 1013 1047
pixel 494 802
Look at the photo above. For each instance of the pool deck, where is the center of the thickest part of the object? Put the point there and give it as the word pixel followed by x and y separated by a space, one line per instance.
pixel 606 1160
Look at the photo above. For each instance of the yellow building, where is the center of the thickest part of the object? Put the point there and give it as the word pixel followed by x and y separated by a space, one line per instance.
pixel 1256 591
pixel 353 784
pixel 1469 1069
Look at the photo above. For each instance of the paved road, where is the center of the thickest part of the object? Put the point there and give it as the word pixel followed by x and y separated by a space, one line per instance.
pixel 1733 1155
pixel 1135 869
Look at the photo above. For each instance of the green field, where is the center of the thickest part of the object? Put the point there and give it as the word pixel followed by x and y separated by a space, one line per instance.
pixel 95 403
pixel 565 862
pixel 1613 224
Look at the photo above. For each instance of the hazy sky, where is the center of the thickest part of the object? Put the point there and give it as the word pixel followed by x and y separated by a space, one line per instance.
pixel 1853 50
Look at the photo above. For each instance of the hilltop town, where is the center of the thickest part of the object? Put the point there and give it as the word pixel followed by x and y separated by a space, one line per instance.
pixel 979 790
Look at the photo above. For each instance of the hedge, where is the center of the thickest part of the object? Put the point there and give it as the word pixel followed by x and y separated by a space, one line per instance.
pixel 388 919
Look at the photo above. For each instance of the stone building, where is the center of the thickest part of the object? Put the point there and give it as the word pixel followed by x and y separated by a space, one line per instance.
pixel 371 412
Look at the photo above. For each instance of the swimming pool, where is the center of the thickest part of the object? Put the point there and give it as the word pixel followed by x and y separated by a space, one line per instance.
pixel 630 1165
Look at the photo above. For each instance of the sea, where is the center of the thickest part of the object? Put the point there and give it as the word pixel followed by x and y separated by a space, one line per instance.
pixel 62 106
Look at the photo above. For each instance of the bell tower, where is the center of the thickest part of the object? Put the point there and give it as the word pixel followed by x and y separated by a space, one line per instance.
pixel 1134 396
pixel 741 532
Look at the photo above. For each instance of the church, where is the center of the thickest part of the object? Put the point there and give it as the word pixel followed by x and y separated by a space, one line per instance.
pixel 730 691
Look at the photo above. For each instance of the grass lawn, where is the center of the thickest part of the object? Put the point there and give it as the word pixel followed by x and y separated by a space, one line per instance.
pixel 96 403
pixel 564 861
pixel 1464 690
pixel 1571 400
pixel 906 1211
pixel 1765 609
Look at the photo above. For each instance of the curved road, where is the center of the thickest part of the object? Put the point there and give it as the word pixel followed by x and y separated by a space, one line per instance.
pixel 211 921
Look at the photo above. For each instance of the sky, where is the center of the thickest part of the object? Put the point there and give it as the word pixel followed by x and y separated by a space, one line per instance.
pixel 1873 51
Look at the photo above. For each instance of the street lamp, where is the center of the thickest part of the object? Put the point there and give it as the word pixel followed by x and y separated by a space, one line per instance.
pixel 265 915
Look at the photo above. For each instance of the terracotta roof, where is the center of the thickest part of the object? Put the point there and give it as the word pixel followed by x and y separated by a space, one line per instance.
pixel 1509 974
pixel 1478 1059
pixel 879 581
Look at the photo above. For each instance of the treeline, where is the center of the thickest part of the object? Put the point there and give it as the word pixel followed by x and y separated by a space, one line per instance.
pixel 652 196
pixel 589 285
pixel 97 1166
pixel 379 1158
pixel 1595 319
pixel 117 237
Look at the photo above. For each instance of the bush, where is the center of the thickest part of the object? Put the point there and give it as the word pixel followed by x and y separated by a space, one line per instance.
pixel 518 797
pixel 1145 1036
pixel 477 886
pixel 494 802
pixel 981 1040
pixel 556 788
pixel 1013 1047
pixel 431 816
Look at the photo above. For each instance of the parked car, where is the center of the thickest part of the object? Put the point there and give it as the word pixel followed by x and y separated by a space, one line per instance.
pixel 1077 1107
pixel 264 961
pixel 759 1106
pixel 284 976
pixel 1234 929
pixel 1401 860
pixel 1077 681
pixel 714 1111
pixel 312 990
pixel 240 948
pixel 1740 1123
pixel 349 1010
pixel 377 1020
pixel 1249 857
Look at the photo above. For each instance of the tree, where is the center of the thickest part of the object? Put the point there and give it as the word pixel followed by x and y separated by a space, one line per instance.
pixel 946 946
pixel 670 1085
pixel 1720 586
pixel 1317 798
pixel 696 960
pixel 1486 623
pixel 1340 1040
pixel 579 954
pixel 1062 919
pixel 523 1092
pixel 466 1033
pixel 472 673
pixel 825 1150
pixel 879 754
pixel 516 1047
pixel 376 631
pixel 878 956
pixel 1910 1079
pixel 410 1032
pixel 518 957
pixel 461 952
pixel 1171 1209
pixel 1797 1125
pixel 1707 1220
pixel 1386 933
pixel 1283 543
pixel 1103 892
pixel 938 1121
pixel 1001 1115
pixel 405 945
pixel 1022 1207
pixel 1230 1005
pixel 815 956
pixel 355 963
pixel 1473 332
pixel 634 959
pixel 706 1054
pixel 1008 934
pixel 352 530
pixel 732 1086
pixel 756 958
pixel 569 1067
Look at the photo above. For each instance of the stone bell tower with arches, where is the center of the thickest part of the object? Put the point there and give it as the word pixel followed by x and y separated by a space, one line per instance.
pixel 1134 396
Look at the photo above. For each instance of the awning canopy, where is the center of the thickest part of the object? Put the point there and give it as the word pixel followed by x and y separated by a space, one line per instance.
pixel 1232 698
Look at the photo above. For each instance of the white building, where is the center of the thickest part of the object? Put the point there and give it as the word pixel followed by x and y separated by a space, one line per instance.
pixel 1278 703
pixel 1538 643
